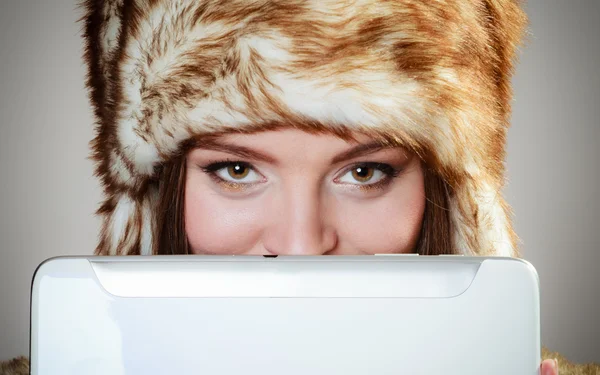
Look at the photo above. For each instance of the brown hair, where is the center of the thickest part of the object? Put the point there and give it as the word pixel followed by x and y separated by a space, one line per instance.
pixel 435 237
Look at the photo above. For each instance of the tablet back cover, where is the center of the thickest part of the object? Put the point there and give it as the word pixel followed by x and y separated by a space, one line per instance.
pixel 287 315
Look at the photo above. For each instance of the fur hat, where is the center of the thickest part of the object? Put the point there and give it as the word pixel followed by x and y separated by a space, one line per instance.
pixel 433 76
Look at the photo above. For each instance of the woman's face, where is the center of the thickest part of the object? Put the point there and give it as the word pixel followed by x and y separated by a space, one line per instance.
pixel 294 193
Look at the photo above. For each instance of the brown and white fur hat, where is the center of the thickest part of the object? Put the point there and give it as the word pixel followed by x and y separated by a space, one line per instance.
pixel 431 75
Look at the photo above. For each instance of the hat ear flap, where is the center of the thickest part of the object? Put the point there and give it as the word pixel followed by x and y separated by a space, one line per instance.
pixel 104 26
pixel 506 22
pixel 480 220
pixel 479 215
pixel 128 224
pixel 126 211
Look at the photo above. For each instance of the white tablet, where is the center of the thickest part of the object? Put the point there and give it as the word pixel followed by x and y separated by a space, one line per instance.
pixel 365 315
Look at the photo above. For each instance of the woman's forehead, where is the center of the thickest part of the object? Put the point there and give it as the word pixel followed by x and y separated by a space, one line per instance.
pixel 286 138
pixel 291 144
pixel 300 135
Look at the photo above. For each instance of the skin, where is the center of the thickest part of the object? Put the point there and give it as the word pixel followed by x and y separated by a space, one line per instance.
pixel 296 193
pixel 303 198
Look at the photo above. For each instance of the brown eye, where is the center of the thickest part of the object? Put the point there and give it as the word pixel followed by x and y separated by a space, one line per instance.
pixel 238 171
pixel 234 172
pixel 363 173
pixel 367 174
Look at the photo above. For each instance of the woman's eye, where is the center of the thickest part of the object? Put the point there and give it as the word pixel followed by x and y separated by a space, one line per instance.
pixel 236 172
pixel 366 174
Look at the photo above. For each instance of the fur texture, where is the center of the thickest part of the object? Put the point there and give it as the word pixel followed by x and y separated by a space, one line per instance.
pixel 433 76
pixel 16 366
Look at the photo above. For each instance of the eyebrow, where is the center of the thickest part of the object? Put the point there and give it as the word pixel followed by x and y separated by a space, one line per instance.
pixel 240 151
pixel 245 152
pixel 359 150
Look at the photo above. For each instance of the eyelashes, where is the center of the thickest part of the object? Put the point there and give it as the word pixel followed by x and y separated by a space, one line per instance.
pixel 213 167
pixel 240 175
pixel 229 174
pixel 369 176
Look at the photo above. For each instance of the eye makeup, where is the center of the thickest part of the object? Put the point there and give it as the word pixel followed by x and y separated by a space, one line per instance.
pixel 389 173
pixel 212 169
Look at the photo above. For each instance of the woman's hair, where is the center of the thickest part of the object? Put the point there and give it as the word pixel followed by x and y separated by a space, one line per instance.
pixel 435 237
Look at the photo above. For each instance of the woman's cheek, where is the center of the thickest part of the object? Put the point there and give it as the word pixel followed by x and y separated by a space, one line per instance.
pixel 389 224
pixel 217 225
pixel 384 227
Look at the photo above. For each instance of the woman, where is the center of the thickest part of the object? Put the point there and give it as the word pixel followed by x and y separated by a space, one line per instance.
pixel 294 127
pixel 303 127
pixel 430 83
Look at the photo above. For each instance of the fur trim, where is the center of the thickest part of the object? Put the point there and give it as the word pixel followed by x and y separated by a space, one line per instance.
pixel 433 76
pixel 16 366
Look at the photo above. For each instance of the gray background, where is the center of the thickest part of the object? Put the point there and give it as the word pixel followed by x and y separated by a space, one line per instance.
pixel 48 193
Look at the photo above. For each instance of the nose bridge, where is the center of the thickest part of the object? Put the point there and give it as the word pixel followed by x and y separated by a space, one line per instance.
pixel 302 228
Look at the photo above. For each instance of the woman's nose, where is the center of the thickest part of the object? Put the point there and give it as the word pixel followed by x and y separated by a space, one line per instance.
pixel 301 225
